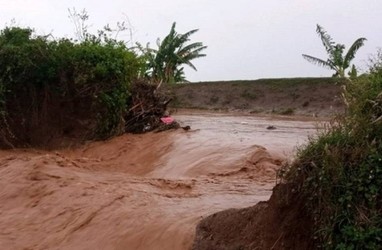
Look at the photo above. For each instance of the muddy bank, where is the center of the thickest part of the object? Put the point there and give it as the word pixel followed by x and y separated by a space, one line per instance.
pixel 295 96
pixel 142 191
pixel 280 223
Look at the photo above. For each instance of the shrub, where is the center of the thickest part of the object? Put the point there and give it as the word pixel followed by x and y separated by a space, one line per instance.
pixel 52 87
pixel 339 173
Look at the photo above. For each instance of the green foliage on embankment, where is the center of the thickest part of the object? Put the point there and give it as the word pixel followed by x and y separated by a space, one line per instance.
pixel 339 173
pixel 49 86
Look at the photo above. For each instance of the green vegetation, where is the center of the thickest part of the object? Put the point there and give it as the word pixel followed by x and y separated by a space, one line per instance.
pixel 336 61
pixel 339 173
pixel 81 87
pixel 51 87
pixel 287 111
pixel 248 95
pixel 165 63
pixel 47 82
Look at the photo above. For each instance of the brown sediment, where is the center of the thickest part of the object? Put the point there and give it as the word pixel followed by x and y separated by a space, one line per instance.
pixel 144 191
pixel 280 223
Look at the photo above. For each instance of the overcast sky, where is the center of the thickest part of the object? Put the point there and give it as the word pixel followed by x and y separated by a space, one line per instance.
pixel 246 39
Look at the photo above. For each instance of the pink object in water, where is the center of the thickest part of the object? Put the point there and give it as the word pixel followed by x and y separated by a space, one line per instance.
pixel 167 120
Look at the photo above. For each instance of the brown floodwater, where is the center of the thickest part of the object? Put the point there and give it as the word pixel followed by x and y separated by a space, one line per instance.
pixel 143 191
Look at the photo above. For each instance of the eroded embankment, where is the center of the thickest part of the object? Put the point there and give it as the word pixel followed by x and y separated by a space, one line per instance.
pixel 141 191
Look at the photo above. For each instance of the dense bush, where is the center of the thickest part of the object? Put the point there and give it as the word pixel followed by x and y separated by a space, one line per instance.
pixel 339 173
pixel 53 87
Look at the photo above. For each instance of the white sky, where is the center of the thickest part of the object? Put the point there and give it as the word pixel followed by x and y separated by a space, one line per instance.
pixel 246 39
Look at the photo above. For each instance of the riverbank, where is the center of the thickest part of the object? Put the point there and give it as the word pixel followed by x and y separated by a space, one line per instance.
pixel 319 97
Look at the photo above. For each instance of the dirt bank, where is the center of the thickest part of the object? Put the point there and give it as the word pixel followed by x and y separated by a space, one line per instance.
pixel 142 191
pixel 280 223
pixel 295 96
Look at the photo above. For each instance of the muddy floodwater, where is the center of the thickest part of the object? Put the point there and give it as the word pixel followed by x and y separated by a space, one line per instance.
pixel 142 191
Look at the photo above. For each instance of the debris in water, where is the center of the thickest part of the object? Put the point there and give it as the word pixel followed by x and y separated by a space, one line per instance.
pixel 186 128
pixel 148 109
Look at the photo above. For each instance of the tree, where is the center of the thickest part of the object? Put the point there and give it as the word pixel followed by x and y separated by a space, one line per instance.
pixel 336 61
pixel 165 63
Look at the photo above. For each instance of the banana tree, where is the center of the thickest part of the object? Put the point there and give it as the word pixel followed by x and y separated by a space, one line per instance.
pixel 337 61
pixel 165 63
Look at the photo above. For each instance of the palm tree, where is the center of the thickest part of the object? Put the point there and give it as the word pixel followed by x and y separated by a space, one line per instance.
pixel 164 64
pixel 336 61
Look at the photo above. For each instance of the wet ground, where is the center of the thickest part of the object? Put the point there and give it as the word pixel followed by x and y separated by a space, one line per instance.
pixel 142 191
